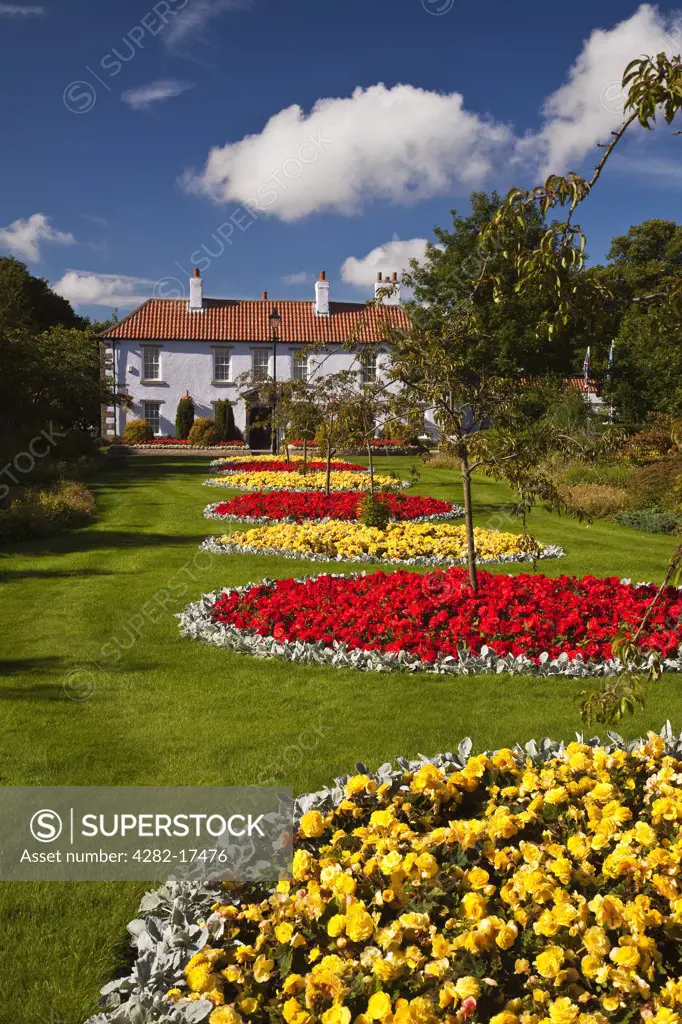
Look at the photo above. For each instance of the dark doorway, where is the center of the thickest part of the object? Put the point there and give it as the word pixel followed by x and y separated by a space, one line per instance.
pixel 258 425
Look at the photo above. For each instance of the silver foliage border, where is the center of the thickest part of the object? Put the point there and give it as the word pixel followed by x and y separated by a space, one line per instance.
pixel 216 547
pixel 175 920
pixel 456 512
pixel 197 623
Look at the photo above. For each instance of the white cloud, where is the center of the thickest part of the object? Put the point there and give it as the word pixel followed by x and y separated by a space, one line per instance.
pixel 144 96
pixel 392 256
pixel 590 103
pixel 190 22
pixel 23 237
pixel 19 11
pixel 83 288
pixel 401 144
pixel 302 277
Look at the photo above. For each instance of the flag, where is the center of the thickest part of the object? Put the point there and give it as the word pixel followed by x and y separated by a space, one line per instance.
pixel 586 364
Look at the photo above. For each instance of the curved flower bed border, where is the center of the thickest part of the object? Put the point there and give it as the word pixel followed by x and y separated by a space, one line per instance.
pixel 217 547
pixel 197 623
pixel 175 921
pixel 456 512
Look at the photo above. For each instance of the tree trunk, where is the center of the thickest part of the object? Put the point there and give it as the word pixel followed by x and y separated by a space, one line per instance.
pixel 305 456
pixel 371 468
pixel 329 468
pixel 468 517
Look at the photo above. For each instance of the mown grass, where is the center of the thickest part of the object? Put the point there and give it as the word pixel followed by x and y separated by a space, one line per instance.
pixel 89 614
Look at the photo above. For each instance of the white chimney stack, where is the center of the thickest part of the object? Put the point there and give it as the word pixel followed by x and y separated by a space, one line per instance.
pixel 196 292
pixel 322 295
pixel 389 289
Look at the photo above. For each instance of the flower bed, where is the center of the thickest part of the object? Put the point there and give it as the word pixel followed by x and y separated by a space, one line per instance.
pixel 433 622
pixel 282 466
pixel 524 886
pixel 293 507
pixel 262 480
pixel 404 542
pixel 175 442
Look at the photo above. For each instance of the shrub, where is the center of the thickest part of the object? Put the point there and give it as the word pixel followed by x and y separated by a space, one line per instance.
pixel 655 484
pixel 204 433
pixel 651 520
pixel 77 444
pixel 137 432
pixel 184 417
pixel 399 430
pixel 654 442
pixel 41 513
pixel 375 512
pixel 581 472
pixel 601 501
pixel 224 421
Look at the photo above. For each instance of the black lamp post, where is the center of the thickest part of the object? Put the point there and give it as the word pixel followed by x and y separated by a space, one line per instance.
pixel 275 320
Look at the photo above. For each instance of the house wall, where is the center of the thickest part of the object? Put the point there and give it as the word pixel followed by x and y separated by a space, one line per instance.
pixel 188 366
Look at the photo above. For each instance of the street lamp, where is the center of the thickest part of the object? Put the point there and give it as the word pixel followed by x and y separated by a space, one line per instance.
pixel 275 321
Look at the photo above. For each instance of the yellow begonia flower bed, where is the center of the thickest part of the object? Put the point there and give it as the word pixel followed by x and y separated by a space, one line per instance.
pixel 400 542
pixel 339 481
pixel 505 890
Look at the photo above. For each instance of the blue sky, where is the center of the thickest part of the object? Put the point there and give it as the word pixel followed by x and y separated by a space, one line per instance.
pixel 112 111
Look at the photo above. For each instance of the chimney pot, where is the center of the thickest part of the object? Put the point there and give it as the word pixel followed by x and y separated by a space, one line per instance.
pixel 380 276
pixel 265 296
pixel 196 272
pixel 323 275
pixel 395 276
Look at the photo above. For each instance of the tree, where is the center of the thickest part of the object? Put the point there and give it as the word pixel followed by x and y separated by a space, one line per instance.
pixel 643 319
pixel 184 417
pixel 51 376
pixel 28 303
pixel 455 267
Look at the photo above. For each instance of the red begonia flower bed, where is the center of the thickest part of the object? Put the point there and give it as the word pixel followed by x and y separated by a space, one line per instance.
pixel 298 507
pixel 432 616
pixel 243 466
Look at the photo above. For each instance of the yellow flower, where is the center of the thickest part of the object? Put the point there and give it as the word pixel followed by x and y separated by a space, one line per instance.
pixel 336 1015
pixel 379 1006
pixel 506 936
pixel 262 969
pixel 467 987
pixel 312 825
pixel 550 961
pixel 284 931
pixel 225 1015
pixel 359 924
pixel 563 1011
pixel 336 925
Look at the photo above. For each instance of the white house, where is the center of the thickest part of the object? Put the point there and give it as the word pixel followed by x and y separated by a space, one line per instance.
pixel 168 347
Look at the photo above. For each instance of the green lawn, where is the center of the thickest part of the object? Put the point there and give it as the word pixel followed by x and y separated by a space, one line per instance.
pixel 163 710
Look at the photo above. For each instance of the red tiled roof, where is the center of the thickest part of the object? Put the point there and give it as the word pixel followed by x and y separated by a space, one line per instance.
pixel 247 320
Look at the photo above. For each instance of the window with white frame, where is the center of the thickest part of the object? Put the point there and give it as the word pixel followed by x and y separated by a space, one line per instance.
pixel 151 412
pixel 151 359
pixel 261 364
pixel 221 364
pixel 300 365
pixel 368 367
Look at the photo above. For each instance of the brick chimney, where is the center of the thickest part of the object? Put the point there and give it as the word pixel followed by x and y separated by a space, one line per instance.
pixel 322 295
